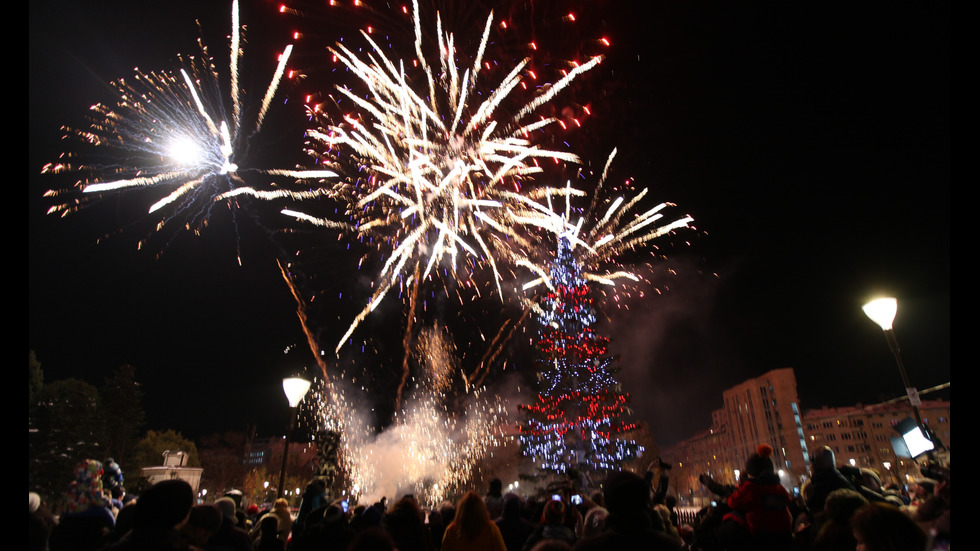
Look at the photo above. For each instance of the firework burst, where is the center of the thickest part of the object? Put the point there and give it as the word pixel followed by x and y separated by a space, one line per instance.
pixel 442 175
pixel 172 131
pixel 600 234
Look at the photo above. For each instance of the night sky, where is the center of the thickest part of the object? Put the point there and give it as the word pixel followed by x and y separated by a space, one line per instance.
pixel 810 143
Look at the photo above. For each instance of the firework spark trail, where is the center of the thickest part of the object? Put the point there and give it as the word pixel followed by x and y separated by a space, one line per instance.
pixel 496 346
pixel 440 167
pixel 601 242
pixel 407 337
pixel 304 322
pixel 174 133
pixel 427 451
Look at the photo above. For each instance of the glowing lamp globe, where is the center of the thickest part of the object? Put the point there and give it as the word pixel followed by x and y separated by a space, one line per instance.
pixel 295 388
pixel 882 311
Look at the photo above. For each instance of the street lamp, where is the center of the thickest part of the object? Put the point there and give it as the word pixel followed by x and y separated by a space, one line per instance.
pixel 882 311
pixel 295 388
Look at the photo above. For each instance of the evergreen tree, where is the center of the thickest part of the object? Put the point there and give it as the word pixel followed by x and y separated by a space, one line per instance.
pixel 70 428
pixel 149 450
pixel 35 381
pixel 123 411
pixel 149 453
pixel 576 420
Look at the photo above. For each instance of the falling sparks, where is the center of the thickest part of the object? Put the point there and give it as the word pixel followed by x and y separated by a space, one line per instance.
pixel 431 449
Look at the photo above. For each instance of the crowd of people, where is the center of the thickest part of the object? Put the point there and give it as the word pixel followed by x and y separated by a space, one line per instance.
pixel 837 509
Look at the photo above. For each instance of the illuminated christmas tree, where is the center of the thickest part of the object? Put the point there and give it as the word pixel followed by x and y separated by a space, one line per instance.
pixel 577 419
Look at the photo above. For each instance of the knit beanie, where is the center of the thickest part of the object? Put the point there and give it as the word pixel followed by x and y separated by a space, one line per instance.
pixel 760 462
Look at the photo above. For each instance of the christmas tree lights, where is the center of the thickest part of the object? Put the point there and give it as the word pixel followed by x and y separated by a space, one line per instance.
pixel 577 419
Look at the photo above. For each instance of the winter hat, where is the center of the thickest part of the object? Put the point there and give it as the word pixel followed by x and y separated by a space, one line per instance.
pixel 206 517
pixel 870 479
pixel 760 462
pixel 112 476
pixel 86 490
pixel 554 512
pixel 333 513
pixel 227 507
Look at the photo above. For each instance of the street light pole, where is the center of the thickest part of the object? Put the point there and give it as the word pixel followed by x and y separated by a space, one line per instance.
pixel 295 389
pixel 882 311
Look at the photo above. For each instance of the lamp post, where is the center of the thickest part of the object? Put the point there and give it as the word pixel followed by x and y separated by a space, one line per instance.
pixel 882 311
pixel 295 389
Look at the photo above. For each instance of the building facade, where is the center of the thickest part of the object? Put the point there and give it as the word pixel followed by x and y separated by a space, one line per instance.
pixel 861 435
pixel 763 410
pixel 766 410
pixel 703 453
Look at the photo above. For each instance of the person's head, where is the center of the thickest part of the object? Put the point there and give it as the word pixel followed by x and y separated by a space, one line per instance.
pixel 404 521
pixel 88 474
pixel 316 486
pixel 924 487
pixel 85 490
pixel 334 514
pixel 512 506
pixel 369 516
pixel 203 522
pixel 112 476
pixel 824 460
pixel 434 520
pixel 448 511
pixel 551 545
pixel 554 512
pixel 870 479
pixel 471 516
pixel 227 507
pixel 236 497
pixel 760 462
pixel 407 508
pixel 881 527
pixel 372 539
pixel 841 504
pixel 595 522
pixel 625 493
pixel 496 486
pixel 269 526
pixel 164 505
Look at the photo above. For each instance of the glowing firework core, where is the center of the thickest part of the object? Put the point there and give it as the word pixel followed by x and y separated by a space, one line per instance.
pixel 171 123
